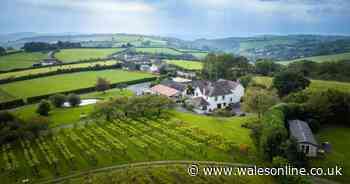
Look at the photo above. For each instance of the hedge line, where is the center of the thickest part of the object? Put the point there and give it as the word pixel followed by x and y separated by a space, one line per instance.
pixel 274 131
pixel 11 104
pixel 36 99
pixel 60 71
pixel 68 63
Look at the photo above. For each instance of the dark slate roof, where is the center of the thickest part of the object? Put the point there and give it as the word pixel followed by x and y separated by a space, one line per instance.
pixel 172 84
pixel 218 88
pixel 199 101
pixel 301 131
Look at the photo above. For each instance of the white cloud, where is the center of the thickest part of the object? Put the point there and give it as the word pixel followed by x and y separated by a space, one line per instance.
pixel 96 5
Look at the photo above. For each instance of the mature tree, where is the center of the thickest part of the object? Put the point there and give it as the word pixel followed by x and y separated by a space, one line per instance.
pixel 74 100
pixel 259 100
pixel 225 66
pixel 289 82
pixel 2 51
pixel 330 106
pixel 245 80
pixel 58 100
pixel 102 84
pixel 307 68
pixel 267 67
pixel 43 108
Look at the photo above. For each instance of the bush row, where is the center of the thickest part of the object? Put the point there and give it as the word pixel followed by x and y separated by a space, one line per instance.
pixel 273 132
pixel 67 63
pixel 11 104
pixel 35 99
pixel 60 71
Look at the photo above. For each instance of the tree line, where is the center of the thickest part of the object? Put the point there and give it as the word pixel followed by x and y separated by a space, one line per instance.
pixel 43 46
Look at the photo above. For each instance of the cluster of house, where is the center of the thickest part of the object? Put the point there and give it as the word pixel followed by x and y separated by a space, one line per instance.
pixel 140 62
pixel 204 96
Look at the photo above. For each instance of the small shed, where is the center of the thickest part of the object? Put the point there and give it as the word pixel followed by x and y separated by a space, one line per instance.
pixel 301 131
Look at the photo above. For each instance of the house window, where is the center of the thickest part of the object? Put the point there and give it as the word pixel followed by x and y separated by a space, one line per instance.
pixel 219 106
pixel 223 97
pixel 216 98
pixel 204 107
pixel 196 94
pixel 231 99
pixel 224 104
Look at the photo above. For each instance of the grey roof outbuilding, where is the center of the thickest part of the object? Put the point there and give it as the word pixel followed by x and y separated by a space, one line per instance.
pixel 301 131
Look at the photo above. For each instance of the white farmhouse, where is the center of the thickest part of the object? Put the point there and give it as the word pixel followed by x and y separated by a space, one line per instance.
pixel 209 96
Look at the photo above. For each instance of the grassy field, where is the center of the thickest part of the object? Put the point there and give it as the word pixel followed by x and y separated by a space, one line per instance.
pixel 333 57
pixel 65 116
pixel 338 137
pixel 54 68
pixel 104 144
pixel 20 60
pixel 71 55
pixel 316 85
pixel 167 174
pixel 159 50
pixel 189 65
pixel 66 82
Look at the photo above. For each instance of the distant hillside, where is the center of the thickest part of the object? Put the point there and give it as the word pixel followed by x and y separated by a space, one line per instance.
pixel 331 57
pixel 278 48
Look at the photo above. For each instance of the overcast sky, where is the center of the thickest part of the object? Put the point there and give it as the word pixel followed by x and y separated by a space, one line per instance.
pixel 183 18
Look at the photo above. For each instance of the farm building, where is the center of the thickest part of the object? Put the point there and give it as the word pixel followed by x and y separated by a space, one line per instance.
pixel 165 90
pixel 206 96
pixel 217 95
pixel 301 131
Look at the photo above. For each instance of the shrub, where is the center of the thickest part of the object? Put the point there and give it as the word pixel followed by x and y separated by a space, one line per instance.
pixel 330 106
pixel 58 100
pixel 273 132
pixel 74 100
pixel 222 113
pixel 43 108
pixel 102 84
pixel 37 124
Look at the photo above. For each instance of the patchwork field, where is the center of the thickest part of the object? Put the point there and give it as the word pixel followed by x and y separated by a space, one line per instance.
pixel 71 55
pixel 159 50
pixel 189 65
pixel 54 68
pixel 338 138
pixel 316 85
pixel 333 57
pixel 111 143
pixel 65 82
pixel 20 60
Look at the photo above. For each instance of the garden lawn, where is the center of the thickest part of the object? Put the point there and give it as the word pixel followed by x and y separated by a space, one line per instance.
pixel 229 128
pixel 54 68
pixel 186 64
pixel 71 55
pixel 160 50
pixel 316 85
pixel 66 82
pixel 65 116
pixel 339 138
pixel 20 60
